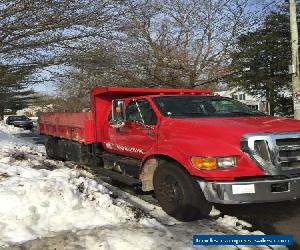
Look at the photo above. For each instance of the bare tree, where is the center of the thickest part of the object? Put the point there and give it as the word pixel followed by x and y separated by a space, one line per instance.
pixel 36 31
pixel 35 34
pixel 172 42
pixel 164 43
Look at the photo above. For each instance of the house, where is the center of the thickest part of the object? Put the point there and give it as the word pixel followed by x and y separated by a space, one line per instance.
pixel 254 102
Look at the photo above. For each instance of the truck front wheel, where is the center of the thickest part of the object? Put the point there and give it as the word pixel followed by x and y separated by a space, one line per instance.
pixel 178 193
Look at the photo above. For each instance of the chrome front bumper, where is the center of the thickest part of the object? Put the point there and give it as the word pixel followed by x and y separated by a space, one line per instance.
pixel 251 191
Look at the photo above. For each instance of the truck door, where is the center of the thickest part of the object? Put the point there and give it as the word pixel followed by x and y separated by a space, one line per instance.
pixel 139 134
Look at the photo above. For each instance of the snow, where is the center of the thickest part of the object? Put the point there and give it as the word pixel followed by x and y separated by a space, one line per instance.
pixel 35 202
pixel 34 110
pixel 9 129
pixel 47 201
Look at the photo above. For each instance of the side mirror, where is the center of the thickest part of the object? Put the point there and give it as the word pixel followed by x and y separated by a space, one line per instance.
pixel 118 114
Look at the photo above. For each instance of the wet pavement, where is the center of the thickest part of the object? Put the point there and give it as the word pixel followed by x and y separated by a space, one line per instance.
pixel 32 136
pixel 270 218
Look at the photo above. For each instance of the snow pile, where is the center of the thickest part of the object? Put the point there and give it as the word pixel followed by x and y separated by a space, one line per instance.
pixel 10 129
pixel 34 110
pixel 35 203
pixel 38 202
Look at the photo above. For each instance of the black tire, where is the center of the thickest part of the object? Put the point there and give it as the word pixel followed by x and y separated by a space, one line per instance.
pixel 50 148
pixel 178 193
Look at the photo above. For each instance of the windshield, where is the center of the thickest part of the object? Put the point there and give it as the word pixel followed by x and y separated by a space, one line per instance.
pixel 202 106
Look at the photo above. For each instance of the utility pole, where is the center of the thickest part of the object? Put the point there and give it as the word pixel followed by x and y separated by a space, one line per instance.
pixel 294 68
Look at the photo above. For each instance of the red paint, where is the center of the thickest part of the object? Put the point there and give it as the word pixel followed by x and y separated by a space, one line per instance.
pixel 72 126
pixel 176 138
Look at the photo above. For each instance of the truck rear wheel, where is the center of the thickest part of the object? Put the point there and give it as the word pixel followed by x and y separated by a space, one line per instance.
pixel 50 146
pixel 178 193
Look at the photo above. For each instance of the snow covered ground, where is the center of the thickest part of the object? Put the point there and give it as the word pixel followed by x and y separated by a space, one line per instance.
pixel 45 204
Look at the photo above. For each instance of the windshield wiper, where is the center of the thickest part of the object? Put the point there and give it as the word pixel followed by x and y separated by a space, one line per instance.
pixel 192 114
pixel 243 113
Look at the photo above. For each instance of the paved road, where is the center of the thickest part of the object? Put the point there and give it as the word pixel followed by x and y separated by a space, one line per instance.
pixel 32 136
pixel 270 218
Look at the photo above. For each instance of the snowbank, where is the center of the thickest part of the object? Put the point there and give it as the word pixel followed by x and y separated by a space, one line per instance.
pixel 9 129
pixel 43 198
pixel 38 202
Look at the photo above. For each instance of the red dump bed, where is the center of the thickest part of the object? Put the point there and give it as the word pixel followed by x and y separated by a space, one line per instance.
pixel 73 126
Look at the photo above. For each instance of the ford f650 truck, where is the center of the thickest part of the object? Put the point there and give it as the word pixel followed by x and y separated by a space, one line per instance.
pixel 188 146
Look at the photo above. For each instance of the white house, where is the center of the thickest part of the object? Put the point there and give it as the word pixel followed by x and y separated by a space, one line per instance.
pixel 252 101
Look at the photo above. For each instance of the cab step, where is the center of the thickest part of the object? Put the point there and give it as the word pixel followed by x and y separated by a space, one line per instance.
pixel 124 164
pixel 130 181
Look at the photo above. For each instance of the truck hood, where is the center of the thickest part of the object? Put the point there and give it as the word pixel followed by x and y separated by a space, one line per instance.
pixel 230 128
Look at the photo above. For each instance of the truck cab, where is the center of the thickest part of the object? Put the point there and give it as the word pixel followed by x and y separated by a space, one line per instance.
pixel 190 147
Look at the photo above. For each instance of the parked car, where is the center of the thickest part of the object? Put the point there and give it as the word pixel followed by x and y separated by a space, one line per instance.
pixel 21 121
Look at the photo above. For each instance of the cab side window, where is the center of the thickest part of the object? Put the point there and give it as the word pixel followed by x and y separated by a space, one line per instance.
pixel 141 111
pixel 147 113
pixel 132 112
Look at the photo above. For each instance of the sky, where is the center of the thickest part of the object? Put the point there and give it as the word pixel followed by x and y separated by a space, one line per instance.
pixel 47 83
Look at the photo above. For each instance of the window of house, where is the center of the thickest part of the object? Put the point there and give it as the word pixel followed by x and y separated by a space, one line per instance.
pixel 234 96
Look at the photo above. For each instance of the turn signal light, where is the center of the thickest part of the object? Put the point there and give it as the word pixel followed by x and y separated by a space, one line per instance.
pixel 204 163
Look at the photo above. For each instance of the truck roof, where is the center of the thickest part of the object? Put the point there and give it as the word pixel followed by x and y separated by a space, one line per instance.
pixel 124 91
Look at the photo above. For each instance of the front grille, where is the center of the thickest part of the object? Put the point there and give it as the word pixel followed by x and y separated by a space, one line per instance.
pixel 289 152
pixel 275 153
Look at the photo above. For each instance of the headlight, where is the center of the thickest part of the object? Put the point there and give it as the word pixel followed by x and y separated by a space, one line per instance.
pixel 226 162
pixel 211 163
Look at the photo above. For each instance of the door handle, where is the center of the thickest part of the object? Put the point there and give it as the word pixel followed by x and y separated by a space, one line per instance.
pixel 150 133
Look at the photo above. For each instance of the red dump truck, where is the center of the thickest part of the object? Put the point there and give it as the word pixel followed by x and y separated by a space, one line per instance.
pixel 188 146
